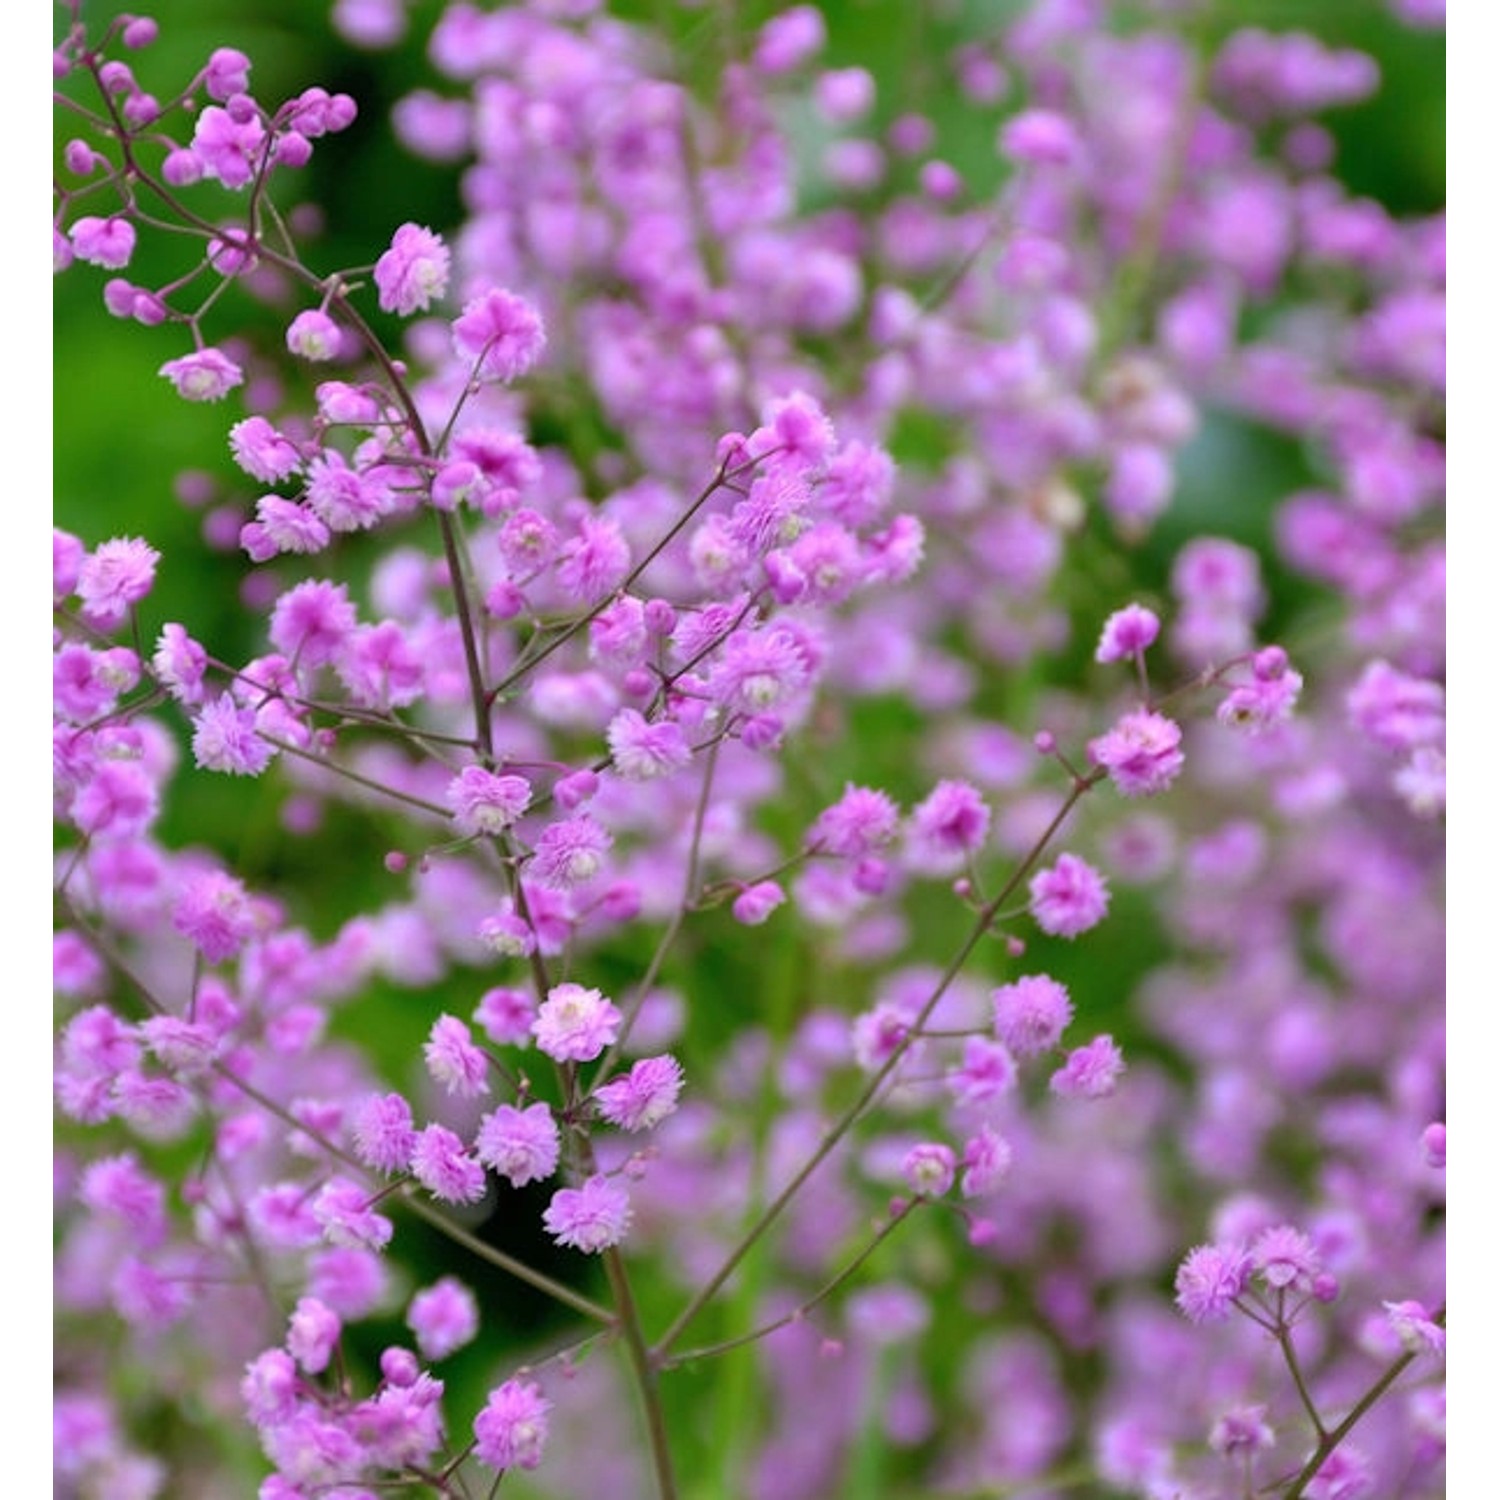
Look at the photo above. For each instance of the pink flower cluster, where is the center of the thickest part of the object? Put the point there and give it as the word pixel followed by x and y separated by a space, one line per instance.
pixel 687 741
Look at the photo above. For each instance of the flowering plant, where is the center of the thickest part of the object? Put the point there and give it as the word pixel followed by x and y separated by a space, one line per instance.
pixel 722 625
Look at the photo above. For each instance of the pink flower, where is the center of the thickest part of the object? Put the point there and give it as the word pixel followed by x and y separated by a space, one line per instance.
pixel 227 73
pixel 384 1137
pixel 1242 1429
pixel 312 1332
pixel 311 621
pixel 790 39
pixel 1127 633
pixel 343 1209
pixel 644 1097
pixel 314 335
pixel 444 1317
pixel 590 1218
pixel 214 910
pixel 522 1145
pixel 205 375
pixel 928 1169
pixel 755 903
pixel 119 799
pixel 344 497
pixel 575 1024
pixel 485 804
pixel 453 1059
pixel 103 242
pixel 269 1388
pixel 228 147
pixel 986 1160
pixel 501 333
pixel 1397 710
pixel 114 576
pixel 987 1071
pixel 505 1015
pixel 510 1431
pixel 120 1189
pixel 862 820
pixel 1069 898
pixel 570 853
pixel 1270 695
pixel 179 663
pixel 1090 1072
pixel 1140 753
pixel 1414 1327
pixel 225 739
pixel 261 451
pixel 413 271
pixel 1209 1279
pixel 1285 1257
pixel 1039 135
pixel 440 1163
pixel 642 751
pixel 594 562
pixel 949 823
pixel 1031 1014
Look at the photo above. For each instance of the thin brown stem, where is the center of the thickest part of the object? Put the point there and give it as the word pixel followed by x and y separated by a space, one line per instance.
pixel 842 1126
pixel 669 935
pixel 524 667
pixel 705 1351
pixel 1336 1435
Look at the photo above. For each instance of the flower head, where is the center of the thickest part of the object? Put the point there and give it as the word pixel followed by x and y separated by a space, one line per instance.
pixel 313 335
pixel 575 1024
pixel 114 576
pixel 484 803
pixel 643 751
pixel 1285 1257
pixel 1209 1279
pixel 929 1169
pixel 644 1097
pixel 589 1218
pixel 453 1059
pixel 522 1145
pixel 571 852
pixel 1415 1327
pixel 1031 1014
pixel 225 739
pixel 1091 1071
pixel 205 375
pixel 500 333
pixel 862 820
pixel 413 271
pixel 950 822
pixel 384 1137
pixel 1069 898
pixel 510 1431
pixel 440 1163
pixel 1127 633
pixel 444 1317
pixel 1140 753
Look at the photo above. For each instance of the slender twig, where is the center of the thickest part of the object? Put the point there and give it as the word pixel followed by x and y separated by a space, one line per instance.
pixel 669 935
pixel 1294 1366
pixel 841 1127
pixel 334 769
pixel 525 667
pixel 498 1258
pixel 705 1351
pixel 1336 1435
